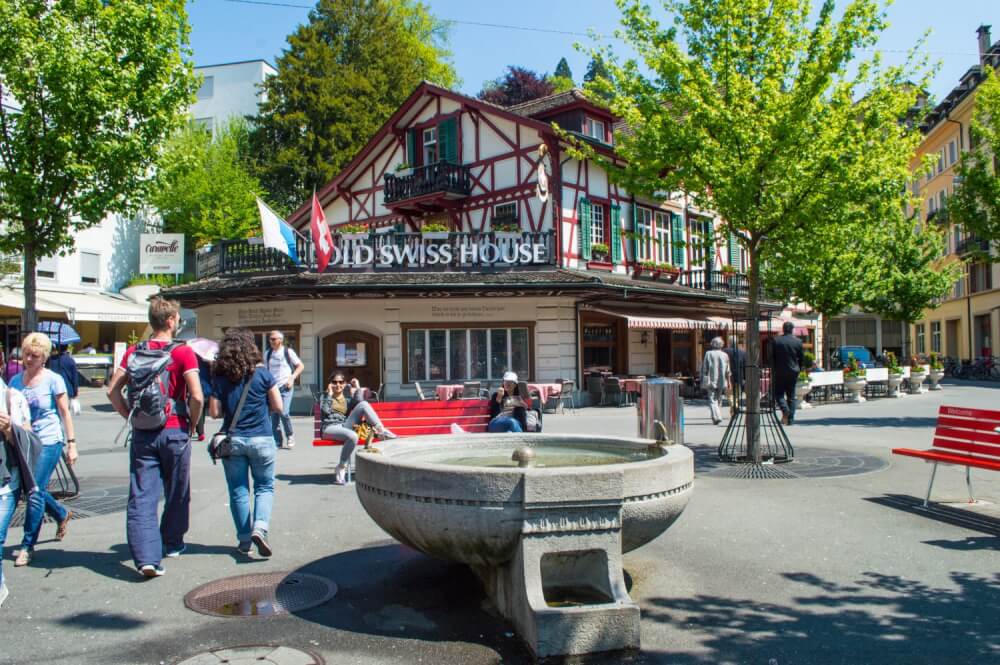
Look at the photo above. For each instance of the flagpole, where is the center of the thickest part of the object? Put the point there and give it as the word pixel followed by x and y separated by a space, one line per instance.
pixel 294 230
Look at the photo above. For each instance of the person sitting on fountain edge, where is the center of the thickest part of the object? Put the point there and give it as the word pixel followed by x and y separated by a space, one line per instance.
pixel 508 412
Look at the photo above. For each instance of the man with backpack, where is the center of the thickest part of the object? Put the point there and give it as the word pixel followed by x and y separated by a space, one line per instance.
pixel 162 405
pixel 285 366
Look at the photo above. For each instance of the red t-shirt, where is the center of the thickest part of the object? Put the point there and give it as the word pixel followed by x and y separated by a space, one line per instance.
pixel 183 361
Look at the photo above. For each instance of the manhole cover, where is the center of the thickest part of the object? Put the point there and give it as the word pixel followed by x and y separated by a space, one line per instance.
pixel 88 503
pixel 254 655
pixel 808 463
pixel 258 595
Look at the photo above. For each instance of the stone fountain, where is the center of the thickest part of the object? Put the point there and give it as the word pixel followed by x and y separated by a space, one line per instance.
pixel 543 520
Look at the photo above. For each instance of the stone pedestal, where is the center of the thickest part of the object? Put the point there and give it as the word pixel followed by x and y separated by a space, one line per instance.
pixel 935 375
pixel 894 382
pixel 916 382
pixel 856 388
pixel 802 389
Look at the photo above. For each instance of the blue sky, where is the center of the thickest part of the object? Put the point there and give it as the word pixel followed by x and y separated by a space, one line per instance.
pixel 226 31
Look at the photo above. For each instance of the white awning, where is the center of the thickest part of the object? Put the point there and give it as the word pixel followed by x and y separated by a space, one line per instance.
pixel 646 322
pixel 81 306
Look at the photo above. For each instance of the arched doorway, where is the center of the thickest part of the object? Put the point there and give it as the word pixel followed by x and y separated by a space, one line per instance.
pixel 357 354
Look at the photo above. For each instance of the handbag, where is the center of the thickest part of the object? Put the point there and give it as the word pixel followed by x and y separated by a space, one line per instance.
pixel 220 446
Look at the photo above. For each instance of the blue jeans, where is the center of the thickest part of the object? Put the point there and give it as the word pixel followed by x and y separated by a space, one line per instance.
pixel 8 501
pixel 254 455
pixel 282 420
pixel 345 431
pixel 160 465
pixel 504 423
pixel 41 502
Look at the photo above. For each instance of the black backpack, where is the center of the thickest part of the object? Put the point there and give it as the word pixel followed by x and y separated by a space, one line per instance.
pixel 288 359
pixel 148 388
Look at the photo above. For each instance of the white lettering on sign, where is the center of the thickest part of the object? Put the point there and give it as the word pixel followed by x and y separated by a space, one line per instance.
pixel 509 252
pixel 161 253
pixel 466 311
pixel 255 315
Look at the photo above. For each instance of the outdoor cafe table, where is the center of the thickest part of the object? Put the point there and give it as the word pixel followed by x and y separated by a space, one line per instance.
pixel 632 385
pixel 545 390
pixel 448 391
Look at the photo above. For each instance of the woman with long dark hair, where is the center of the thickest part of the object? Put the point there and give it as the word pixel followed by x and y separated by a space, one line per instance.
pixel 342 409
pixel 238 367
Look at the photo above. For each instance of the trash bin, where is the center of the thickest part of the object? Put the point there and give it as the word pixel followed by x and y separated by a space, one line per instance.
pixel 660 399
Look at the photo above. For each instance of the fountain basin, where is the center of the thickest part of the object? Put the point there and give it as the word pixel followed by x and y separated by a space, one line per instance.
pixel 546 540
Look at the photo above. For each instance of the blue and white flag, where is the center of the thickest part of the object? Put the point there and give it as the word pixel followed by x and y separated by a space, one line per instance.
pixel 278 234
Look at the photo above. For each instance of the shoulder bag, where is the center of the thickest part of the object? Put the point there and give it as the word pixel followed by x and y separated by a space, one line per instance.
pixel 220 446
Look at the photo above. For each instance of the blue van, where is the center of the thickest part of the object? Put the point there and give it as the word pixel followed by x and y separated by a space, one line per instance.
pixel 861 354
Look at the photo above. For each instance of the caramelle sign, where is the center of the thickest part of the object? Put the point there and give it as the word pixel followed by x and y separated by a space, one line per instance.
pixel 161 253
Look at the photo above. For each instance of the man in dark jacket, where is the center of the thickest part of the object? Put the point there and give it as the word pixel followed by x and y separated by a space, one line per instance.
pixel 737 373
pixel 788 359
pixel 62 363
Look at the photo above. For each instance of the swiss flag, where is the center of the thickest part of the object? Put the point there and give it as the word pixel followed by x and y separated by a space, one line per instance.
pixel 322 240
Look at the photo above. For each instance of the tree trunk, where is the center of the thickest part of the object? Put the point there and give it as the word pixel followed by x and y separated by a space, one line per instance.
pixel 753 360
pixel 30 317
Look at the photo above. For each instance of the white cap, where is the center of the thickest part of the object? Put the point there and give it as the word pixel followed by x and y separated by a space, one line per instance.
pixel 510 376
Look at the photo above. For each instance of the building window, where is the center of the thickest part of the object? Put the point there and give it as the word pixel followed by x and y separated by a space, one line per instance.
pixel 921 344
pixel 594 129
pixel 597 234
pixel 661 238
pixel 460 354
pixel 430 145
pixel 505 211
pixel 936 336
pixel 940 163
pixel 952 152
pixel 205 124
pixel 980 277
pixel 207 88
pixel 46 267
pixel 644 241
pixel 90 267
pixel 698 233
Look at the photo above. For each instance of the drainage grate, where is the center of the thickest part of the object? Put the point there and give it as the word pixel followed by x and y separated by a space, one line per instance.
pixel 88 503
pixel 754 472
pixel 263 594
pixel 266 654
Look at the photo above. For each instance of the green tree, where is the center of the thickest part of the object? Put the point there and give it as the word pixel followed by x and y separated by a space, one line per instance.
pixel 517 86
pixel 975 203
pixel 203 189
pixel 344 73
pixel 763 117
pixel 563 70
pixel 598 78
pixel 93 88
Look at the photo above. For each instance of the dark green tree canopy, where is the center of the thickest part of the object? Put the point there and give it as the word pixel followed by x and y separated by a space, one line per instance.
pixel 341 77
pixel 563 70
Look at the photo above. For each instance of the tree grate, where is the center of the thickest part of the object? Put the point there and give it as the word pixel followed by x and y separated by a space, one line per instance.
pixel 754 472
pixel 99 501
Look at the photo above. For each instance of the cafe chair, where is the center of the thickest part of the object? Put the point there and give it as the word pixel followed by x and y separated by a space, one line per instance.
pixel 474 390
pixel 595 389
pixel 613 391
pixel 421 395
pixel 565 395
pixel 376 395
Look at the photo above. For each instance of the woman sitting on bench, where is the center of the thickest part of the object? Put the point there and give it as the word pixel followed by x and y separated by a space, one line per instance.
pixel 342 411
pixel 508 412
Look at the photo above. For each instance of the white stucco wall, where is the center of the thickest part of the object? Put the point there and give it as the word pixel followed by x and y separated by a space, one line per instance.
pixel 234 90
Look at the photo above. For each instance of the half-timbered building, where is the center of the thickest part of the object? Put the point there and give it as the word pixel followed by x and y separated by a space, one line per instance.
pixel 467 242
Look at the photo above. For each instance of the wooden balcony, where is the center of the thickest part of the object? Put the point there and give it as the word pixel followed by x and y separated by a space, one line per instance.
pixel 427 188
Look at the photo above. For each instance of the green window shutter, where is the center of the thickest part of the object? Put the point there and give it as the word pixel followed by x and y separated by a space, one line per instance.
pixel 448 140
pixel 709 244
pixel 616 233
pixel 584 210
pixel 734 251
pixel 633 245
pixel 677 227
pixel 411 147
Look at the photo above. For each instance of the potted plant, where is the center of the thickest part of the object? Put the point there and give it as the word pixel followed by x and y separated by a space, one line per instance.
pixel 668 272
pixel 352 231
pixel 937 370
pixel 895 374
pixel 854 379
pixel 599 252
pixel 434 231
pixel 727 272
pixel 802 388
pixel 647 267
pixel 917 375
pixel 403 167
pixel 506 228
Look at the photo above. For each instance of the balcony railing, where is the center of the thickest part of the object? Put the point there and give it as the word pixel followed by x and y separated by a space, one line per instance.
pixel 734 284
pixel 439 178
pixel 972 244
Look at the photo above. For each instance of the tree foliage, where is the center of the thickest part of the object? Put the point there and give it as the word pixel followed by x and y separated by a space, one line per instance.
pixel 203 188
pixel 763 117
pixel 563 70
pixel 598 78
pixel 976 201
pixel 343 74
pixel 516 86
pixel 93 88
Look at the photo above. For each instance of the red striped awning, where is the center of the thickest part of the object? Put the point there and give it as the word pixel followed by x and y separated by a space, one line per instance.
pixel 647 322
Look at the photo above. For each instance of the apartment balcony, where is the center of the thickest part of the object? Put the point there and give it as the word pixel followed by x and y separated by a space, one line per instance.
pixel 734 284
pixel 427 188
pixel 972 245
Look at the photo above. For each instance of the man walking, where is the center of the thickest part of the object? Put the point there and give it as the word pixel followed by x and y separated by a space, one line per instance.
pixel 788 359
pixel 714 376
pixel 737 371
pixel 285 366
pixel 164 374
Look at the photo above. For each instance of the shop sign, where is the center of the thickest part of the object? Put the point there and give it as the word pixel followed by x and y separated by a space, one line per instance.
pixel 259 315
pixel 161 253
pixel 441 253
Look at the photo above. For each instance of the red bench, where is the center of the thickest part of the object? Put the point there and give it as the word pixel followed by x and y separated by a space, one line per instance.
pixel 416 418
pixel 964 437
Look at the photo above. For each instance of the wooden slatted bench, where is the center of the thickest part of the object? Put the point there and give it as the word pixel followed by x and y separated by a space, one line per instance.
pixel 418 418
pixel 963 437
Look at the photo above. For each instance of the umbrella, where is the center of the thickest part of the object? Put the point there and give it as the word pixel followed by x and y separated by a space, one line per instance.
pixel 206 348
pixel 60 333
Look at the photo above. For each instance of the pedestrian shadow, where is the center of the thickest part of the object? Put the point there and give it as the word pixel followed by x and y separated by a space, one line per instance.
pixel 960 517
pixel 706 457
pixel 877 619
pixel 307 478
pixel 116 562
pixel 880 421
pixel 101 621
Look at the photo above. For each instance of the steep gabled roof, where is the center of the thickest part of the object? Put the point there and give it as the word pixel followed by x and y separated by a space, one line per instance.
pixel 554 102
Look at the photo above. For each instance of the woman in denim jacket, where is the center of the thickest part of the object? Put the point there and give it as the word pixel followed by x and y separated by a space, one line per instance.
pixel 254 448
pixel 342 408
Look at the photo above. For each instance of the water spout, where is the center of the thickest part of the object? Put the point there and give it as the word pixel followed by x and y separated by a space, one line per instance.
pixel 524 456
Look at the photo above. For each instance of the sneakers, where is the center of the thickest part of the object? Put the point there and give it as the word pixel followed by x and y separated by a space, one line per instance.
pixel 3 593
pixel 387 434
pixel 64 525
pixel 173 554
pixel 289 442
pixel 259 538
pixel 23 557
pixel 340 475
pixel 151 570
pixel 244 548
pixel 457 429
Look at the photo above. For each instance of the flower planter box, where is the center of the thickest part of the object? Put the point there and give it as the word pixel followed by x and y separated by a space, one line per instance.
pixel 802 389
pixel 856 387
pixel 507 235
pixel 917 376
pixel 894 381
pixel 353 237
pixel 670 276
pixel 434 235
pixel 935 375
